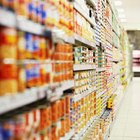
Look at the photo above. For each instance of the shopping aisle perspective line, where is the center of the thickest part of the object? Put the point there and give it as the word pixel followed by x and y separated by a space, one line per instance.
pixel 127 125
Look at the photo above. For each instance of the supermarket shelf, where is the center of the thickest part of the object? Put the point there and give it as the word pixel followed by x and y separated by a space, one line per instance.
pixel 84 41
pixel 81 96
pixel 97 43
pixel 110 78
pixel 23 24
pixel 83 131
pixel 99 94
pixel 67 85
pixel 116 32
pixel 83 13
pixel 100 69
pixel 103 24
pixel 80 67
pixel 109 22
pixel 54 95
pixel 115 60
pixel 103 3
pixel 8 103
pixel 113 76
pixel 7 18
pixel 107 133
pixel 10 19
pixel 68 135
pixel 110 127
pixel 26 25
pixel 58 35
pixel 69 39
pixel 89 125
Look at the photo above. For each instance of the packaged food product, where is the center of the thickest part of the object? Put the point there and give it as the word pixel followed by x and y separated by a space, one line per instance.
pixel 8 79
pixel 21 46
pixel 8 40
pixel 33 75
pixel 21 78
pixel 55 108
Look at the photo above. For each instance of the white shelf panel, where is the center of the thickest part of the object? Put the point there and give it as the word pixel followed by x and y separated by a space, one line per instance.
pixel 56 95
pixel 81 96
pixel 69 39
pixel 30 26
pixel 23 24
pixel 8 103
pixel 79 67
pixel 100 69
pixel 59 34
pixel 89 125
pixel 99 94
pixel 84 130
pixel 115 60
pixel 7 18
pixel 84 41
pixel 67 85
pixel 83 13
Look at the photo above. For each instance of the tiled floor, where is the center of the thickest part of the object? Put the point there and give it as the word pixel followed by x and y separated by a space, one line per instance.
pixel 127 125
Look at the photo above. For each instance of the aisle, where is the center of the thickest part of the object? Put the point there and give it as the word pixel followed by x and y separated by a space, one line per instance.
pixel 127 125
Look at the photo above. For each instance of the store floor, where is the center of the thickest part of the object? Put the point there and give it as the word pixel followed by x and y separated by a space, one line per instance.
pixel 127 125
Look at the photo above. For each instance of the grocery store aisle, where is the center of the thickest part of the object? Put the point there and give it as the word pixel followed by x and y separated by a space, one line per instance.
pixel 127 125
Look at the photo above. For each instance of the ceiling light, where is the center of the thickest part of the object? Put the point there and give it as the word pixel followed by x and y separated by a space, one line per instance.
pixel 118 3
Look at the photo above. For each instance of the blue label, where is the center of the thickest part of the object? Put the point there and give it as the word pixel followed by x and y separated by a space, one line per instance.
pixel 29 42
pixel 43 11
pixel 35 44
pixel 30 7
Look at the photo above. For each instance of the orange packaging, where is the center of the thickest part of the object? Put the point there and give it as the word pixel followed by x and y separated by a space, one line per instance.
pixel 59 48
pixel 8 3
pixel 22 11
pixel 47 136
pixel 59 109
pixel 43 74
pixel 49 112
pixel 21 78
pixel 42 48
pixel 8 79
pixel 55 111
pixel 43 118
pixel 63 106
pixel 8 87
pixel 48 77
pixel 21 46
pixel 67 125
pixel 8 71
pixel 67 104
pixel 36 119
pixel 62 130
pixel 8 39
pixel 55 133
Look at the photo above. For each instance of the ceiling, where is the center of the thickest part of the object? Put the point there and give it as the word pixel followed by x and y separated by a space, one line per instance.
pixel 132 14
